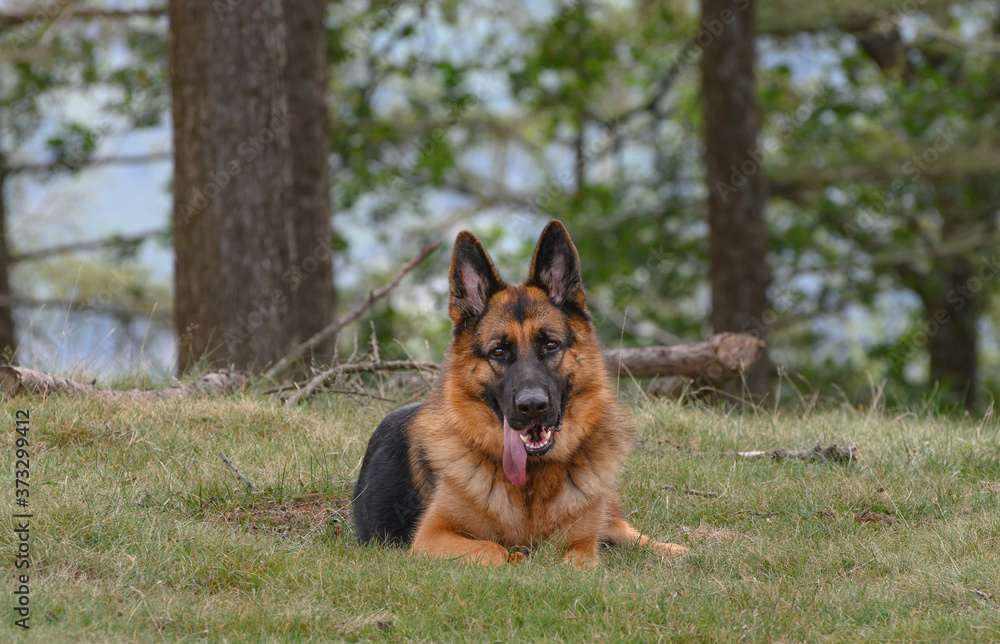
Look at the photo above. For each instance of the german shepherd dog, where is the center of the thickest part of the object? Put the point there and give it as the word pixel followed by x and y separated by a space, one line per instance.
pixel 521 440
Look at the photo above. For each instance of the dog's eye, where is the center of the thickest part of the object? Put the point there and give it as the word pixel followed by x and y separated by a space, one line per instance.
pixel 499 352
pixel 551 345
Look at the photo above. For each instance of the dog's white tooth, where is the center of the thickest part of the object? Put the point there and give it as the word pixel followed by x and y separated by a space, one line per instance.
pixel 547 435
pixel 524 437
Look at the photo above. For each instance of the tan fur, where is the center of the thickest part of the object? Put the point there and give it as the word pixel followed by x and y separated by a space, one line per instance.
pixel 472 510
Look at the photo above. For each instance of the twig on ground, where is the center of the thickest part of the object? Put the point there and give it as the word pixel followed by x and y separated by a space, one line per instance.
pixel 360 367
pixel 845 455
pixel 757 513
pixel 983 594
pixel 712 495
pixel 642 444
pixel 351 392
pixel 818 453
pixel 238 473
pixel 336 326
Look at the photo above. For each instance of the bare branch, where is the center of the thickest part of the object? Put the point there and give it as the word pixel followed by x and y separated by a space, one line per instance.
pixel 306 390
pixel 56 166
pixel 237 472
pixel 358 311
pixel 778 18
pixel 711 495
pixel 11 20
pixel 94 244
pixel 118 309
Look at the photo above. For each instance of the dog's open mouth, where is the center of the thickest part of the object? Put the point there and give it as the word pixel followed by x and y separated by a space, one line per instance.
pixel 537 438
pixel 534 440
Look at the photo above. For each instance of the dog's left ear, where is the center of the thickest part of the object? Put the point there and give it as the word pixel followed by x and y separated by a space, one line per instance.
pixel 555 267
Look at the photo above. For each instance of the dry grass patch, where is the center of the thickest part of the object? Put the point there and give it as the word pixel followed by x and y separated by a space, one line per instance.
pixel 310 513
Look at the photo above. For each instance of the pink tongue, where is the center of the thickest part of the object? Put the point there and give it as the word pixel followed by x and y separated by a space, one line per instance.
pixel 515 457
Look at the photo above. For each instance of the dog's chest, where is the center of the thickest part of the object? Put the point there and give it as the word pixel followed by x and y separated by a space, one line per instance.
pixel 549 502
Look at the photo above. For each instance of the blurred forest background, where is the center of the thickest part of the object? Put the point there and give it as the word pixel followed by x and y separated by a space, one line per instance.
pixel 824 175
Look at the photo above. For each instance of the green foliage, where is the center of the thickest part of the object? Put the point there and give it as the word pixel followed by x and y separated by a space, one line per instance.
pixel 81 59
pixel 894 198
pixel 498 117
pixel 577 66
pixel 73 145
pixel 73 84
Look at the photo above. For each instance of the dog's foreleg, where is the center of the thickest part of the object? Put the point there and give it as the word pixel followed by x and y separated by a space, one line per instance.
pixel 437 537
pixel 618 530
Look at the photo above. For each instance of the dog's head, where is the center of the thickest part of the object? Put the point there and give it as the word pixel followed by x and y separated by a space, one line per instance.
pixel 523 341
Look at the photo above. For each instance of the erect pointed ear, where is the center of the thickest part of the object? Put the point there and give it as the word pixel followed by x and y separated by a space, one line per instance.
pixel 555 267
pixel 473 278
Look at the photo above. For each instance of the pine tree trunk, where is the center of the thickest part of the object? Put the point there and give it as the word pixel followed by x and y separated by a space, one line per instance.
pixel 736 190
pixel 8 341
pixel 237 214
pixel 951 312
pixel 312 265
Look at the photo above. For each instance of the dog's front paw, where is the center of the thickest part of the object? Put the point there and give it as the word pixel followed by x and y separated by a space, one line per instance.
pixel 670 549
pixel 488 553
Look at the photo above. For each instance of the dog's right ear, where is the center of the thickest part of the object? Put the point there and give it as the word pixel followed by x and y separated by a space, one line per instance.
pixel 474 278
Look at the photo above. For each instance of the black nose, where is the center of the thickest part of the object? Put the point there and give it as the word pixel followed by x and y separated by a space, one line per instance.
pixel 531 402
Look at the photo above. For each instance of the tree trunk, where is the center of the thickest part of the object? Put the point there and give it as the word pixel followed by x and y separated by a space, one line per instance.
pixel 951 311
pixel 8 342
pixel 736 191
pixel 236 212
pixel 309 133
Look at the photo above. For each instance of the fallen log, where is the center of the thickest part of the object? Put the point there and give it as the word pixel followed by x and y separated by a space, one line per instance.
pixel 715 361
pixel 20 380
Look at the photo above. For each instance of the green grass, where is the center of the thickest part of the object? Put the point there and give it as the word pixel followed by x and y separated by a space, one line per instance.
pixel 141 533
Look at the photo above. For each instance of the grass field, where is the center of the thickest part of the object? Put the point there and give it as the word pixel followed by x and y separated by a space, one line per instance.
pixel 142 533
